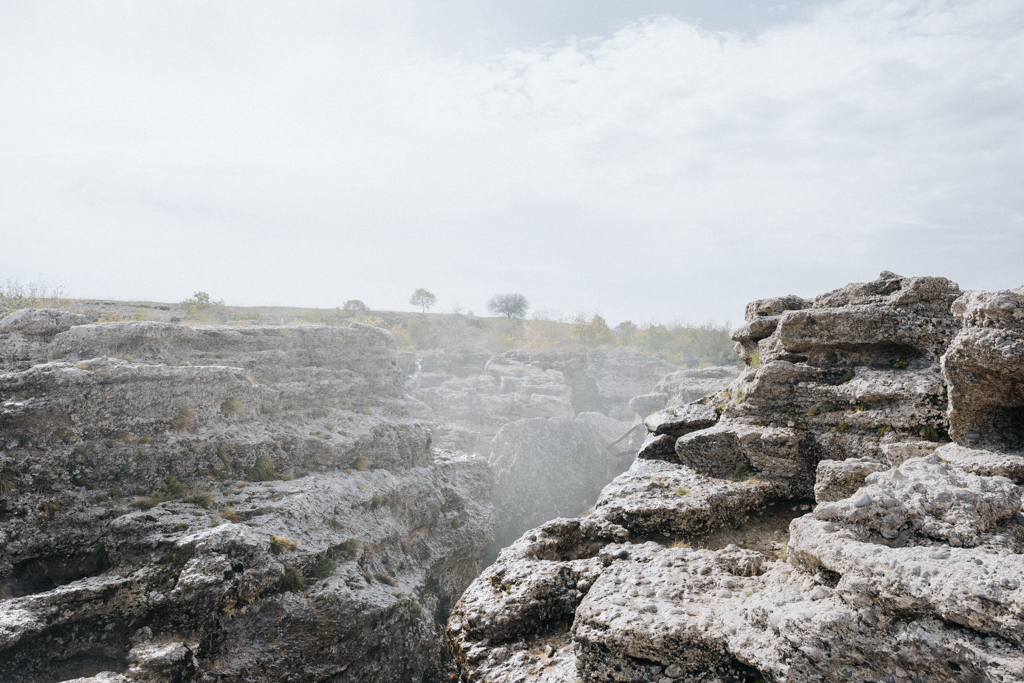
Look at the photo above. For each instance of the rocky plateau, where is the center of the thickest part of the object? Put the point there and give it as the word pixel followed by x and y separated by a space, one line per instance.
pixel 847 509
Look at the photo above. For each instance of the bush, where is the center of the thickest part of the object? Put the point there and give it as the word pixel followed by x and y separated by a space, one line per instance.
pixel 323 568
pixel 355 306
pixel 508 305
pixel 292 581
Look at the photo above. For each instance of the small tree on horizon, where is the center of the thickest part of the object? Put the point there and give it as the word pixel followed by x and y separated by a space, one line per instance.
pixel 423 298
pixel 355 306
pixel 509 305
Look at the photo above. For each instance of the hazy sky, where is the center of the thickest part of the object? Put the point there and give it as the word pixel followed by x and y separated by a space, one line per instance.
pixel 651 160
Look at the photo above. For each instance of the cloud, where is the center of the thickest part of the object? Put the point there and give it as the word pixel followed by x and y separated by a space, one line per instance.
pixel 269 154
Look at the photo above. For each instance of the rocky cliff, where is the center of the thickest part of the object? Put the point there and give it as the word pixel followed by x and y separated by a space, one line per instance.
pixel 848 509
pixel 223 504
pixel 550 423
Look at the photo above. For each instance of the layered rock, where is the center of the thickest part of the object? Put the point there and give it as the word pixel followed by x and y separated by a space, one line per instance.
pixel 798 526
pixel 205 504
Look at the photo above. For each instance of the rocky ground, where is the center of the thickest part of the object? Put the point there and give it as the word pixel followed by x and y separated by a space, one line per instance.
pixel 223 504
pixel 847 509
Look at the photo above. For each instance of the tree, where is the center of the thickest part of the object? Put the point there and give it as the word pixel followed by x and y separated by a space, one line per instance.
pixel 355 306
pixel 201 306
pixel 509 305
pixel 589 333
pixel 423 298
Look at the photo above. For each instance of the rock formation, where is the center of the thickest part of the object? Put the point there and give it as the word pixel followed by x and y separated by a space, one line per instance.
pixel 223 504
pixel 848 509
pixel 550 422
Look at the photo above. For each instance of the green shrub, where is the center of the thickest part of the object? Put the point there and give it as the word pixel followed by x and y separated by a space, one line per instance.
pixel 847 376
pixel 900 363
pixel 42 485
pixel 929 432
pixel 99 560
pixel 323 568
pixel 361 464
pixel 292 581
pixel 885 429
pixel 842 427
pixel 378 500
pixel 755 358
pixel 262 470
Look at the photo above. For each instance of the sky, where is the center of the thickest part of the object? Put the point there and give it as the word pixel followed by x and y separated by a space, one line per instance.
pixel 656 160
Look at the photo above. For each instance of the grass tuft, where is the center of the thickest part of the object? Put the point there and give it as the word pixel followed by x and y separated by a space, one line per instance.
pixel 183 419
pixel 323 568
pixel 231 406
pixel 279 544
pixel 203 500
pixel 50 509
pixel 99 560
pixel 262 470
pixel 847 376
pixel 292 581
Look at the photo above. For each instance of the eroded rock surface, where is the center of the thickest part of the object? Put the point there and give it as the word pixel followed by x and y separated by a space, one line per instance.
pixel 813 522
pixel 224 504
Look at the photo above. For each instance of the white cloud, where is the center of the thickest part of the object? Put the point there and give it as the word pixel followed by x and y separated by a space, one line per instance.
pixel 269 155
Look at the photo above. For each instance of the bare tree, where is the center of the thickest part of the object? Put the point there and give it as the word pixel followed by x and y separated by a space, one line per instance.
pixel 423 298
pixel 509 305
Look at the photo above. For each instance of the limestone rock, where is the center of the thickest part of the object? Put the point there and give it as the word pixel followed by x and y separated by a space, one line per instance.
pixel 984 369
pixel 227 503
pixel 908 568
pixel 838 480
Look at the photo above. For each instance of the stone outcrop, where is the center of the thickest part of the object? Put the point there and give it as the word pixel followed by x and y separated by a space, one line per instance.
pixel 556 426
pixel 224 503
pixel 812 522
